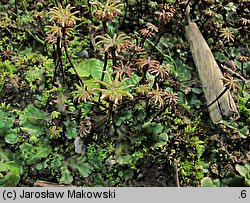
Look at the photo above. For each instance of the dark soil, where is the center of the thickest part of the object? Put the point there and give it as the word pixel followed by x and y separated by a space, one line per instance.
pixel 154 175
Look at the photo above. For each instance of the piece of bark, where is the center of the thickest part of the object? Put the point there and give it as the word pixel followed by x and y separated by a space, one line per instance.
pixel 210 76
pixel 41 183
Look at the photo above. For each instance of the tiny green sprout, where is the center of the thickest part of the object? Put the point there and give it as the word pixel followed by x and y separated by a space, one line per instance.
pixel 153 4
pixel 189 130
pixel 55 114
pixel 33 139
pixel 143 89
pixel 5 107
pixel 55 132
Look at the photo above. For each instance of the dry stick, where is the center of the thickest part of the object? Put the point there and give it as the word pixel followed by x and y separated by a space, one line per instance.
pixel 41 183
pixel 234 73
pixel 176 173
pixel 209 74
pixel 194 4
